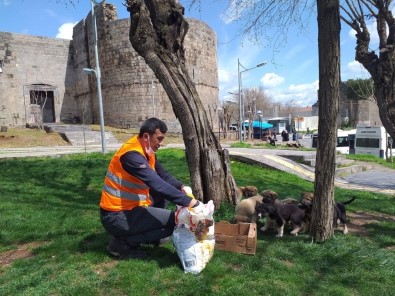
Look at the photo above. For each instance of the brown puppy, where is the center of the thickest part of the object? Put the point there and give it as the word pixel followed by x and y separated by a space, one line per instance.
pixel 245 210
pixel 306 198
pixel 245 191
pixel 281 214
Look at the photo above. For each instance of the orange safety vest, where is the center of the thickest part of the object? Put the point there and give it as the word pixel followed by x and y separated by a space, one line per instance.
pixel 122 191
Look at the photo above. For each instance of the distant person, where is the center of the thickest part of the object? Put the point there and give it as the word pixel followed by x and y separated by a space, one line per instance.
pixel 272 139
pixel 293 133
pixel 136 188
pixel 274 135
pixel 285 136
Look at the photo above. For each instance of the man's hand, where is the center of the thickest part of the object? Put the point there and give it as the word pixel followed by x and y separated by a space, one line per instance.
pixel 193 203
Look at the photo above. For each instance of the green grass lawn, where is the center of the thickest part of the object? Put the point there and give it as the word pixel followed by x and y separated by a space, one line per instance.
pixel 52 242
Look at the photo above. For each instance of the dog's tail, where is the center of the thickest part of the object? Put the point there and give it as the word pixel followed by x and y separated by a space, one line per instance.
pixel 349 201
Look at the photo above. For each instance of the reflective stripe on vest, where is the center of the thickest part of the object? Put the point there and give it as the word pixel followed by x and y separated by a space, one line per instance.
pixel 125 183
pixel 122 194
pixel 122 191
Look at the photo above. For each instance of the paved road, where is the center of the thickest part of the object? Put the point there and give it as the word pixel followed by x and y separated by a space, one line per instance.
pixel 377 179
pixel 374 178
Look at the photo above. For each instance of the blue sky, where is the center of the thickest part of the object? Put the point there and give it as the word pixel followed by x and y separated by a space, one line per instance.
pixel 290 75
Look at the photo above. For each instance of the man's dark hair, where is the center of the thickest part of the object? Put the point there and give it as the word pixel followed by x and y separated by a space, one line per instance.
pixel 151 125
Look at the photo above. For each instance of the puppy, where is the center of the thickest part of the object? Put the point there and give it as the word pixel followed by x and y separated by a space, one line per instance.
pixel 281 214
pixel 307 198
pixel 288 200
pixel 306 203
pixel 339 212
pixel 245 191
pixel 269 196
pixel 245 210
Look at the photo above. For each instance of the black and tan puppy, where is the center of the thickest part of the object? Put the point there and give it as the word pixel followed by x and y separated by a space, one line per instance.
pixel 339 212
pixel 281 214
pixel 269 196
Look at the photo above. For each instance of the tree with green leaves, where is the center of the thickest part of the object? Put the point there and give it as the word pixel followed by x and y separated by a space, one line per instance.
pixel 359 89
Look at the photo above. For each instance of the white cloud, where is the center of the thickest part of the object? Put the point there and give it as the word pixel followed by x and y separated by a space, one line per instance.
pixel 299 94
pixel 224 76
pixel 271 80
pixel 354 70
pixel 234 11
pixel 65 31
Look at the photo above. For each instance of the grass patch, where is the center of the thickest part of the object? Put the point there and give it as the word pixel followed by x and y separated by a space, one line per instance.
pixel 49 209
pixel 371 158
pixel 240 145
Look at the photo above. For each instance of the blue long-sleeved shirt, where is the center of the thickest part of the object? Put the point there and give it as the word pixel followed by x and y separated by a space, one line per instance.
pixel 158 180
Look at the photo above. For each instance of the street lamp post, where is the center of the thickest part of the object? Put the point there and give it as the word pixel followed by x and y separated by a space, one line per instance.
pixel 98 76
pixel 241 102
pixel 260 124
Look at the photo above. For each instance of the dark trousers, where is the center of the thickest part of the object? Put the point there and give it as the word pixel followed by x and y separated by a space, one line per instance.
pixel 141 224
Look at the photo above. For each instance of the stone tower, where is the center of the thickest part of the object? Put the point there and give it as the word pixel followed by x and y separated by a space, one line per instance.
pixel 131 93
pixel 41 74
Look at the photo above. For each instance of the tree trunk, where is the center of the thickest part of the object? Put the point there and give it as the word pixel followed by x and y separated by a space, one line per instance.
pixel 328 104
pixel 380 66
pixel 382 70
pixel 157 33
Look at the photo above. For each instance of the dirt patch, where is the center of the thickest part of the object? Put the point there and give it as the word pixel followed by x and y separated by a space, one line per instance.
pixel 358 219
pixel 21 252
pixel 104 268
pixel 25 137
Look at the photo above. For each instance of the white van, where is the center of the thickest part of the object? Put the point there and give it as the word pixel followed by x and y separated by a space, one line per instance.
pixel 372 140
pixel 343 141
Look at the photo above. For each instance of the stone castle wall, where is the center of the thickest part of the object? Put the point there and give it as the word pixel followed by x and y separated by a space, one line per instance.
pixel 130 91
pixel 34 63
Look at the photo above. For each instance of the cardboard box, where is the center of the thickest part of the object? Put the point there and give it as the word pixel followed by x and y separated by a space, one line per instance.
pixel 238 238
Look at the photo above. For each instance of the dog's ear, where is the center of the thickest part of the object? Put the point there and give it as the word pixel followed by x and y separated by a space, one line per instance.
pixel 274 195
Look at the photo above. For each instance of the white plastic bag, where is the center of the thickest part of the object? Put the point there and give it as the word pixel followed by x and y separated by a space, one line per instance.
pixel 193 238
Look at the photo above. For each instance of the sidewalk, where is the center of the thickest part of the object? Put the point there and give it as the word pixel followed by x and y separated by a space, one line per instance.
pixel 374 179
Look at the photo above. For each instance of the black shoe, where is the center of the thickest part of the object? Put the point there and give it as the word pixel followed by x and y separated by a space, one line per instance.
pixel 119 248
